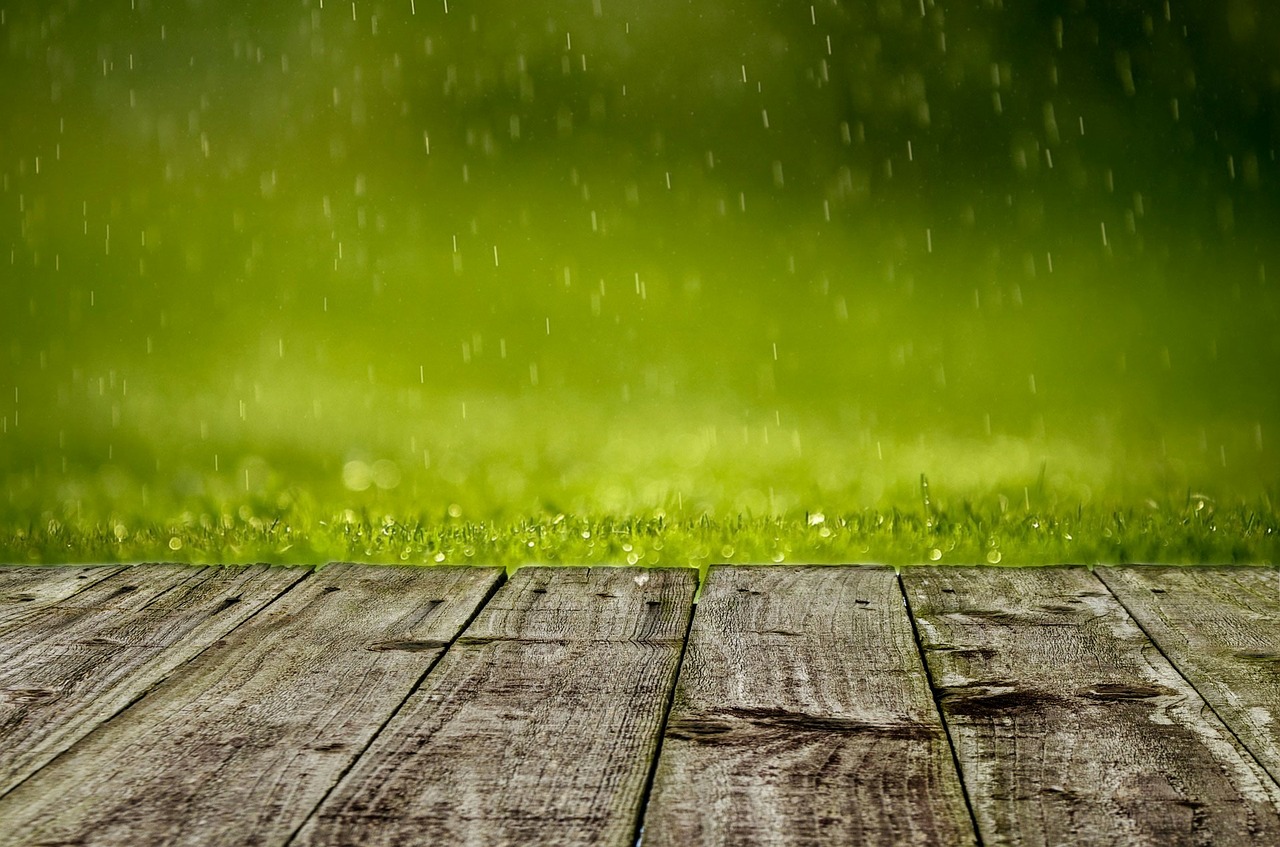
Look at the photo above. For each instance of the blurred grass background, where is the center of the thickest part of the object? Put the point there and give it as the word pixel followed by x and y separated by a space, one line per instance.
pixel 413 281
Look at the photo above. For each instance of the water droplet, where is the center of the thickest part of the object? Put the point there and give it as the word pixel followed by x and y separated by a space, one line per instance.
pixel 357 475
pixel 385 474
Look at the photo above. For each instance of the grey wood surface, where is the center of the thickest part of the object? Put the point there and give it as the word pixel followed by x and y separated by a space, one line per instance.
pixel 1221 628
pixel 537 727
pixel 239 746
pixel 180 705
pixel 27 587
pixel 803 716
pixel 1069 726
pixel 44 581
pixel 69 665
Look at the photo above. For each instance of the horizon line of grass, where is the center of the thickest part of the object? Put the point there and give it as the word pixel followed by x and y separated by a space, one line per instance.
pixel 1199 532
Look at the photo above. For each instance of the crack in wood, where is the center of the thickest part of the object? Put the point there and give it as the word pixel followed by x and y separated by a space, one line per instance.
pixel 984 699
pixel 409 645
pixel 740 725
pixel 1127 691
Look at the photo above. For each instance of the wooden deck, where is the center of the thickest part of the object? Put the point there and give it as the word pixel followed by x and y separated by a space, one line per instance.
pixel 357 705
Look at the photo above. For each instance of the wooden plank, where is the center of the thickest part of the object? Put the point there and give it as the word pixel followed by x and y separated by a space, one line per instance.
pixel 45 581
pixel 242 743
pixel 1069 726
pixel 27 587
pixel 66 667
pixel 537 727
pixel 803 715
pixel 1221 628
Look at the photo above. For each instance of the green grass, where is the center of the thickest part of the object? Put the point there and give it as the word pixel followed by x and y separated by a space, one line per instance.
pixel 1038 520
pixel 558 479
pixel 1196 532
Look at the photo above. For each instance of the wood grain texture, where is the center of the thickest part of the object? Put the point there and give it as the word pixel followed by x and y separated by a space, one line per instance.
pixel 537 727
pixel 42 582
pixel 1069 726
pixel 67 666
pixel 1221 628
pixel 803 715
pixel 24 588
pixel 243 742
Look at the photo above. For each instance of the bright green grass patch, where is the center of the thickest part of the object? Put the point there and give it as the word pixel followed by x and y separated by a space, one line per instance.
pixel 997 534
pixel 575 482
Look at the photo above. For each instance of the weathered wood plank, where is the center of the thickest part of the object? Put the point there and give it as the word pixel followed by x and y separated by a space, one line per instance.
pixel 67 666
pixel 46 581
pixel 1221 628
pixel 803 715
pixel 1069 726
pixel 242 743
pixel 537 727
pixel 27 587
